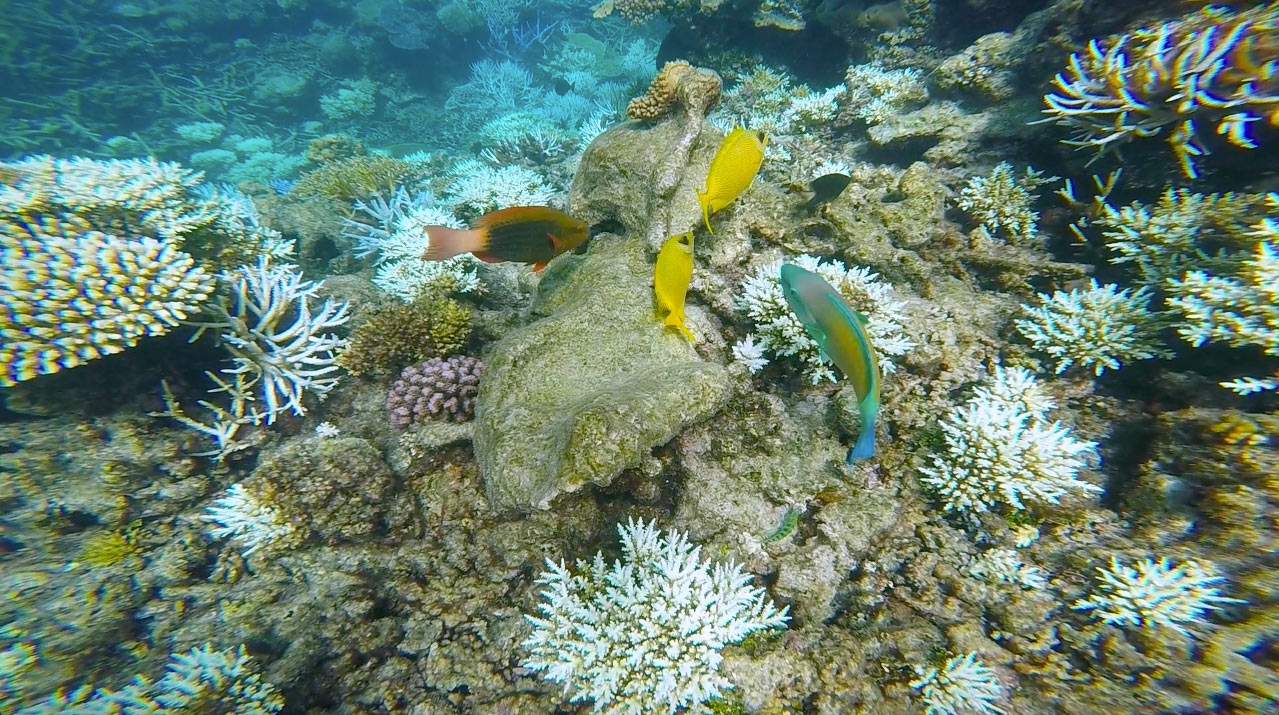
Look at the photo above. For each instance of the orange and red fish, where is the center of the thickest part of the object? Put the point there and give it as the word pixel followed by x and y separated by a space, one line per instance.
pixel 523 234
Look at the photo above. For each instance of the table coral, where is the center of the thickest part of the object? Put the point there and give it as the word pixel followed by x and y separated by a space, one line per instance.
pixel 1212 68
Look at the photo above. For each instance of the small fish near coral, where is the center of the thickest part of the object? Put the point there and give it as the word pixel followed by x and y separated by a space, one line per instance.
pixel 522 234
pixel 840 332
pixel 671 276
pixel 826 188
pixel 733 168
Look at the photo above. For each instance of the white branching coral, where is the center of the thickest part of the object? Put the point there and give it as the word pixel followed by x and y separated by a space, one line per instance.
pixel 1155 594
pixel 277 342
pixel 781 333
pixel 69 295
pixel 479 188
pixel 1000 564
pixel 244 519
pixel 398 237
pixel 1165 239
pixel 1099 328
pixel 201 680
pixel 1000 448
pixel 963 685
pixel 873 94
pixel 644 635
pixel 1001 201
pixel 1237 311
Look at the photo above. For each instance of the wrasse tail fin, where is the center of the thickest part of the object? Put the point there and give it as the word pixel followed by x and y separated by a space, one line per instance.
pixel 444 242
pixel 864 448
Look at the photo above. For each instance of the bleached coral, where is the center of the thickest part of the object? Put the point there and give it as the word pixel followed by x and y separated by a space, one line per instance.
pixel 1005 565
pixel 644 634
pixel 1099 328
pixel 962 685
pixel 1239 311
pixel 749 353
pixel 355 99
pixel 69 295
pixel 874 95
pixel 1155 594
pixel 1002 202
pixel 398 237
pixel 781 333
pixel 201 680
pixel 1163 240
pixel 243 518
pixel 479 188
pixel 1000 448
pixel 278 344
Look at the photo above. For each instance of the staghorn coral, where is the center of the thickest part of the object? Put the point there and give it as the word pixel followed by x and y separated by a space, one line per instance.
pixel 677 84
pixel 1211 69
pixel 1001 202
pixel 279 346
pixel 644 634
pixel 1154 594
pixel 392 335
pixel 1000 449
pixel 1239 311
pixel 248 521
pixel 201 680
pixel 1101 327
pixel 436 389
pixel 962 684
pixel 71 294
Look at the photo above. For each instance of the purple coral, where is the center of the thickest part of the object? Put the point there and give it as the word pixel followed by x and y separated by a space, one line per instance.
pixel 435 389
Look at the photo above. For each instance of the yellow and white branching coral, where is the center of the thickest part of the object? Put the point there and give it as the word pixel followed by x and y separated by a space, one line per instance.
pixel 1099 328
pixel 1211 71
pixel 1239 311
pixel 1001 202
pixel 962 686
pixel 1155 594
pixel 69 294
pixel 781 333
pixel 201 680
pixel 644 634
pixel 1000 448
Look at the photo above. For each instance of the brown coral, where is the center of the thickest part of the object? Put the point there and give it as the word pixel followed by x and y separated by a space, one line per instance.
pixel 357 177
pixel 396 334
pixel 677 83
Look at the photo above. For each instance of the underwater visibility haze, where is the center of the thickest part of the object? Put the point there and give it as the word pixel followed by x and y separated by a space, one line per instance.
pixel 496 357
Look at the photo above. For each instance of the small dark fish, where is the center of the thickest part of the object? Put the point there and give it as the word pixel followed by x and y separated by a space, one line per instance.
pixel 562 86
pixel 825 188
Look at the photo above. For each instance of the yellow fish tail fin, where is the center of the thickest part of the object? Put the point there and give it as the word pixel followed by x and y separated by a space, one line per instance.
pixel 676 320
pixel 704 198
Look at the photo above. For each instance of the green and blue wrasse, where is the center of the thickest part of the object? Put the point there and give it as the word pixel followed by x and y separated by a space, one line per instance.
pixel 523 234
pixel 840 332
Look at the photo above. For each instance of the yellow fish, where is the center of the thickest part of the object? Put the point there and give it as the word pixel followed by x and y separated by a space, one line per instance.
pixel 733 169
pixel 671 276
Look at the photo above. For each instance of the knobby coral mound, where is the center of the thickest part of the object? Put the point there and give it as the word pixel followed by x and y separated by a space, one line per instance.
pixel 435 389
pixel 677 83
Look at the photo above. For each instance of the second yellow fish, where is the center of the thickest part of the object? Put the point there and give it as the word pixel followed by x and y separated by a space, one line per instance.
pixel 671 277
pixel 733 169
